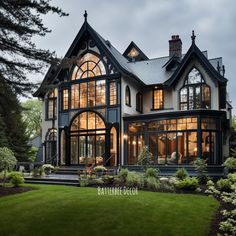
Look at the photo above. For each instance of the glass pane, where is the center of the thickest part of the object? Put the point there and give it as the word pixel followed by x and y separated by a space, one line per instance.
pixel 100 92
pixel 83 95
pixel 74 150
pixel 158 99
pixel 65 99
pixel 182 150
pixel 113 96
pixel 75 96
pixel 183 95
pixel 206 146
pixel 194 77
pixel 99 123
pixel 191 98
pixel 91 120
pixel 100 149
pixel 162 149
pixel 206 97
pixel 82 149
pixel 63 148
pixel 90 150
pixel 91 94
pixel 140 144
pixel 153 145
pixel 131 150
pixel 113 147
pixel 192 147
pixel 197 97
pixel 171 148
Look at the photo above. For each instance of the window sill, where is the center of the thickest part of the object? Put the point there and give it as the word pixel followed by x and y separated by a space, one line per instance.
pixel 160 109
pixel 128 105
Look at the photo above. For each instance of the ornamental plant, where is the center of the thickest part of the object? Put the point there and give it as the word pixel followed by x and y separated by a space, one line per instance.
pixel 145 157
pixel 16 178
pixel 7 162
pixel 201 169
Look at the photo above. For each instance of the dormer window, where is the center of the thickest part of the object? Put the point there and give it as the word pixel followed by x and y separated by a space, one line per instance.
pixel 133 53
pixel 195 94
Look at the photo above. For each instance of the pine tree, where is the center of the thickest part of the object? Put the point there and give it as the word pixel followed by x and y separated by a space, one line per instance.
pixel 20 20
pixel 14 131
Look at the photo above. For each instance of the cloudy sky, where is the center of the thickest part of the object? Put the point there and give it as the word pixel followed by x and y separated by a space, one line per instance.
pixel 150 24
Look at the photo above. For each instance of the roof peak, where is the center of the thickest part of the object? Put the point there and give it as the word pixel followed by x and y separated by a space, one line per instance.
pixel 85 16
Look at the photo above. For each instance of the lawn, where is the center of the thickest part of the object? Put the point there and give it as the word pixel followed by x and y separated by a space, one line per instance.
pixel 61 210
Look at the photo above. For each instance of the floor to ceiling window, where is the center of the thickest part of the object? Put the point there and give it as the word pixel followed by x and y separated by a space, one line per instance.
pixel 87 139
pixel 174 141
pixel 51 146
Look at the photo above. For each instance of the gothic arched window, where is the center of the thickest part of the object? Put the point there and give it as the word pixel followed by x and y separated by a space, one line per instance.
pixel 195 94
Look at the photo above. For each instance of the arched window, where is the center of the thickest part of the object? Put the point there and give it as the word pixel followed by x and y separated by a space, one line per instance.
pixel 88 66
pixel 127 96
pixel 51 104
pixel 51 146
pixel 195 94
pixel 87 139
pixel 139 102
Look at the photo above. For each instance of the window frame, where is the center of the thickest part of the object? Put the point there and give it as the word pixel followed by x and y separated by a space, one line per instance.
pixel 52 97
pixel 114 96
pixel 139 102
pixel 63 99
pixel 127 96
pixel 153 99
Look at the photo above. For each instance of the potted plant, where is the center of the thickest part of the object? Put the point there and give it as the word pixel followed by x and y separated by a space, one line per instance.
pixel 99 170
pixel 47 168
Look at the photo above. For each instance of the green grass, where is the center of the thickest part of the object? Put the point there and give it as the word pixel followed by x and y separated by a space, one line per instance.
pixel 62 210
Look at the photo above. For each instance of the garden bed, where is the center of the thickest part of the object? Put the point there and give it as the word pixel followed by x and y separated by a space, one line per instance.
pixel 13 190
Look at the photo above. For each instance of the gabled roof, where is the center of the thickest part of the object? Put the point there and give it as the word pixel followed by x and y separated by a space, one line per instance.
pixel 118 60
pixel 140 57
pixel 194 52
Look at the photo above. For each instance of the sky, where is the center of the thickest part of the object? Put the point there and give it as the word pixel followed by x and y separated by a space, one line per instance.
pixel 150 24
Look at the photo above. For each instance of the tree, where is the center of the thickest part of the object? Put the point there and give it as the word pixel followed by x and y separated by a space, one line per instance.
pixel 14 133
pixel 31 115
pixel 7 161
pixel 20 21
pixel 145 157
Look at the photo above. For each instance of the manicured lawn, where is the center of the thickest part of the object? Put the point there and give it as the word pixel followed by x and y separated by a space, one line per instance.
pixel 61 210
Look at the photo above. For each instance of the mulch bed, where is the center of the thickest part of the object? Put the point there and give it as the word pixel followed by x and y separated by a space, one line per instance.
pixel 13 190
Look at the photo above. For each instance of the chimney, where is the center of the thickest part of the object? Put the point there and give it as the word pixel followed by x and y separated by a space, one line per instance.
pixel 175 46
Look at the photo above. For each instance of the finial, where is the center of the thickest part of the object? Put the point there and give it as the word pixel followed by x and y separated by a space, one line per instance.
pixel 193 37
pixel 85 15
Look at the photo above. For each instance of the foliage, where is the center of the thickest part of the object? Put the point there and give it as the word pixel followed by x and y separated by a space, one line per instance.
pixel 152 172
pixel 20 21
pixel 13 134
pixel 230 163
pixel 16 178
pixel 100 168
pixel 108 179
pixel 47 168
pixel 224 184
pixel 84 182
pixel 189 183
pixel 145 157
pixel 181 173
pixel 152 183
pixel 135 179
pixel 32 153
pixel 7 161
pixel 37 172
pixel 31 115
pixel 232 177
pixel 201 169
pixel 123 175
pixel 99 181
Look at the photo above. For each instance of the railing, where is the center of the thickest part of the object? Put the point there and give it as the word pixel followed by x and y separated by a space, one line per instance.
pixel 52 160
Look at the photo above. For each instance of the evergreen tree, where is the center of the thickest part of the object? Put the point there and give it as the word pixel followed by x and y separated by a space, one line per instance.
pixel 20 20
pixel 13 135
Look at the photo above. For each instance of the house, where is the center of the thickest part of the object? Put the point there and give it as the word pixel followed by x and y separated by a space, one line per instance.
pixel 102 107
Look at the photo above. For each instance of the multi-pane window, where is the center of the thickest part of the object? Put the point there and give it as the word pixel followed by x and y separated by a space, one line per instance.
pixel 51 105
pixel 127 96
pixel 113 94
pixel 139 102
pixel 158 99
pixel 195 93
pixel 88 94
pixel 65 99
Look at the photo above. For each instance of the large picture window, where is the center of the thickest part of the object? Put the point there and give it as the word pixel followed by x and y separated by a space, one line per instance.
pixel 195 94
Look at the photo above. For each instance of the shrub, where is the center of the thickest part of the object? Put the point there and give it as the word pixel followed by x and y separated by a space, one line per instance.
pixel 224 185
pixel 83 182
pixel 187 183
pixel 232 178
pixel 201 169
pixel 99 181
pixel 181 173
pixel 108 179
pixel 99 168
pixel 152 172
pixel 152 183
pixel 16 178
pixel 123 175
pixel 145 157
pixel 230 163
pixel 7 161
pixel 37 172
pixel 47 168
pixel 135 179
